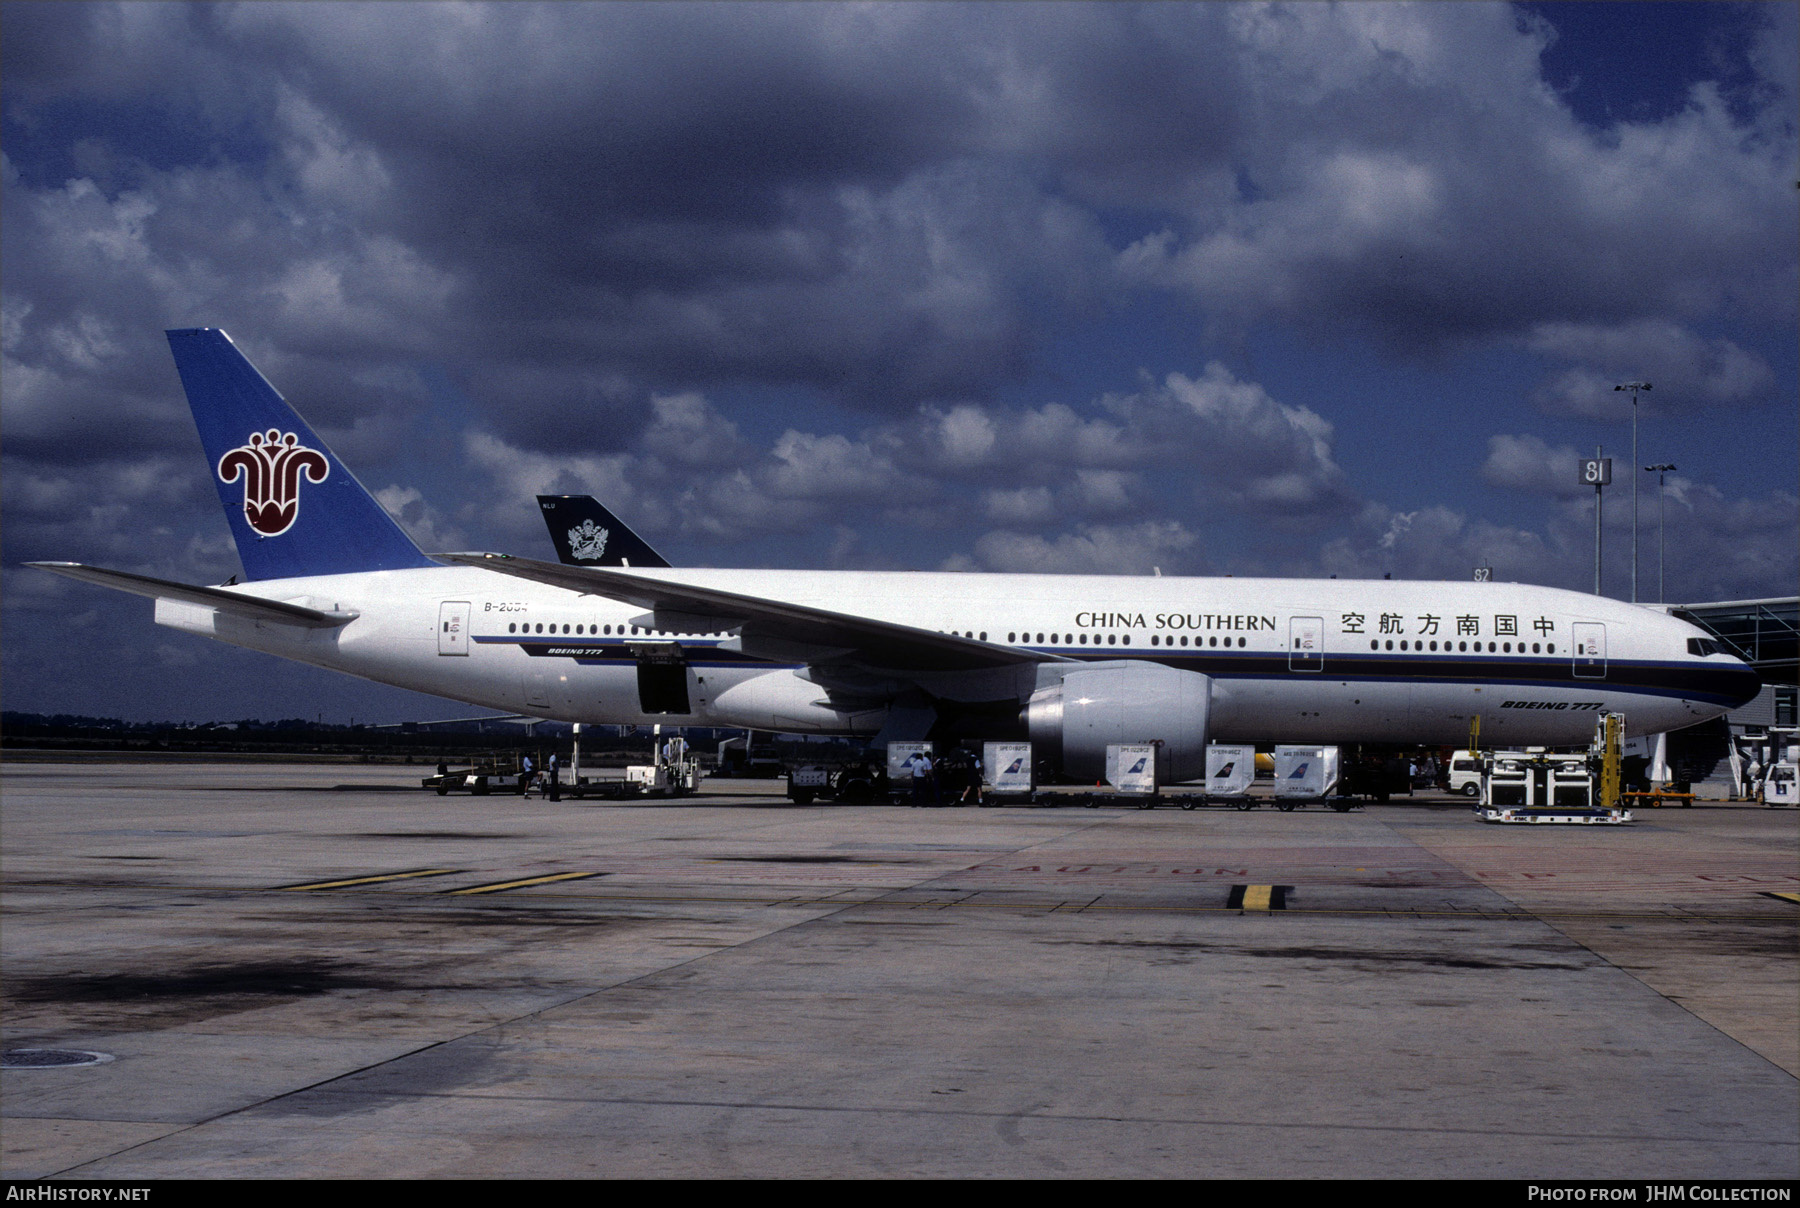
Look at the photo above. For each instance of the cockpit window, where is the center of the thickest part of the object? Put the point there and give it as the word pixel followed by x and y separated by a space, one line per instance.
pixel 1704 646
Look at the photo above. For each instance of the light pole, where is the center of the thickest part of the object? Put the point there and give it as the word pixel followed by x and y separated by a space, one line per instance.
pixel 1662 525
pixel 1596 472
pixel 1634 387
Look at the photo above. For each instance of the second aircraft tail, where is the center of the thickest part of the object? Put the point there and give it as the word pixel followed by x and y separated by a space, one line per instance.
pixel 586 534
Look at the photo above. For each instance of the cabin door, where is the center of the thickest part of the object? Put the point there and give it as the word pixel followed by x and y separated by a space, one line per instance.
pixel 1306 644
pixel 1590 649
pixel 453 627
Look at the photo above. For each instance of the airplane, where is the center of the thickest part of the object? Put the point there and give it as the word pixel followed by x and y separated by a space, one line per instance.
pixel 586 534
pixel 1070 662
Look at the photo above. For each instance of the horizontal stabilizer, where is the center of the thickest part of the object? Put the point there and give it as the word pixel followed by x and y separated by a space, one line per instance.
pixel 276 611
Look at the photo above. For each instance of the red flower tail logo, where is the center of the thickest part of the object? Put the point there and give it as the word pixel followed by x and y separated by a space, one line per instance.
pixel 271 466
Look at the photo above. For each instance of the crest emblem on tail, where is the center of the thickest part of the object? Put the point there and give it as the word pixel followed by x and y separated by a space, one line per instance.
pixel 588 540
pixel 271 466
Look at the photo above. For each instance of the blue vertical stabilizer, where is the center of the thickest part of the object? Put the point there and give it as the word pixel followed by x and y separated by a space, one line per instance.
pixel 294 509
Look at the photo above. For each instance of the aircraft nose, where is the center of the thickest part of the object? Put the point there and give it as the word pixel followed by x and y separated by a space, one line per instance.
pixel 1743 684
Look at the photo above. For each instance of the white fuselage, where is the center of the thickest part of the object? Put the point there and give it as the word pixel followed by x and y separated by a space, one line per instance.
pixel 1291 660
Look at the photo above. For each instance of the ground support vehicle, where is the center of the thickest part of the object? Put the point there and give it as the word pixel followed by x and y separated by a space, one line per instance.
pixel 1556 816
pixel 1464 774
pixel 1782 785
pixel 1537 780
pixel 853 783
pixel 499 773
pixel 1229 801
pixel 1656 798
pixel 737 759
pixel 1304 774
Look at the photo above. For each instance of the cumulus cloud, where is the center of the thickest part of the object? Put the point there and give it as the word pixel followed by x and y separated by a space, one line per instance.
pixel 1528 463
pixel 871 202
pixel 1685 371
pixel 1441 543
pixel 429 528
pixel 1717 547
pixel 1414 180
pixel 1209 439
pixel 1232 442
pixel 1088 550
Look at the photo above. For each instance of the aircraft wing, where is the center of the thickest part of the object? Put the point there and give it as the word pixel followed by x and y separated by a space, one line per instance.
pixel 769 627
pixel 255 609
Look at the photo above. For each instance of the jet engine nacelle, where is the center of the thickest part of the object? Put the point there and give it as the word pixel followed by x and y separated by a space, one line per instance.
pixel 1123 702
pixel 783 702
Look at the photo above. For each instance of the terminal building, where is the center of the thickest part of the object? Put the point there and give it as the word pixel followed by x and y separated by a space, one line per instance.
pixel 1765 634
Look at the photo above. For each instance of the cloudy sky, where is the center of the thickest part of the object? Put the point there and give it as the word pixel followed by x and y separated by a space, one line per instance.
pixel 1216 288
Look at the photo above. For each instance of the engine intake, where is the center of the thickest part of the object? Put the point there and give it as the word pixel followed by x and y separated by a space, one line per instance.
pixel 1073 721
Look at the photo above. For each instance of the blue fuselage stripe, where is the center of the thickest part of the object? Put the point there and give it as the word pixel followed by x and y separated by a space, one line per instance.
pixel 1686 681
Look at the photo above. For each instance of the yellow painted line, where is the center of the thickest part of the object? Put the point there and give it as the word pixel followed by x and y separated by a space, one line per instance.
pixel 1256 897
pixel 498 886
pixel 1786 897
pixel 391 876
